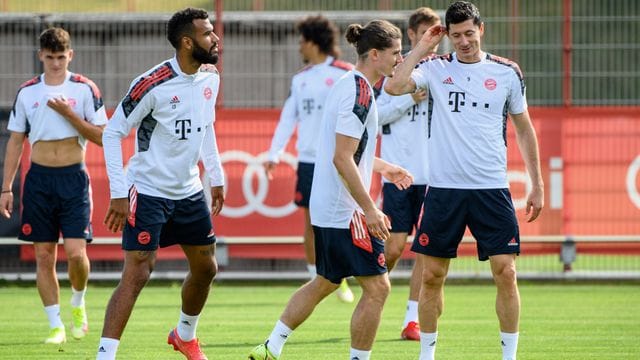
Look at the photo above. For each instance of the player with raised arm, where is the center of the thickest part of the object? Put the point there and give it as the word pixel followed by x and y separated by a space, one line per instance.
pixel 161 202
pixel 303 110
pixel 473 93
pixel 404 142
pixel 58 111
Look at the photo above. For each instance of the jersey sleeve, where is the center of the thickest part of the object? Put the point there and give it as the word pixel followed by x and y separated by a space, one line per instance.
pixel 517 94
pixel 126 117
pixel 211 158
pixel 392 108
pixel 353 109
pixel 94 110
pixel 420 75
pixel 284 129
pixel 18 116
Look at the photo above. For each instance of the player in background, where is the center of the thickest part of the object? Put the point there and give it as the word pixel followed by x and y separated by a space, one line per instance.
pixel 404 142
pixel 160 201
pixel 58 111
pixel 473 92
pixel 349 229
pixel 303 110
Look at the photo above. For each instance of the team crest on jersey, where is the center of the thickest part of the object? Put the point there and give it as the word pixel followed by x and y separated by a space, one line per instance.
pixel 328 81
pixel 72 102
pixel 208 93
pixel 490 84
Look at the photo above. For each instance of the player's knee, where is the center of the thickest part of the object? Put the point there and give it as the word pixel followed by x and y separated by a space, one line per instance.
pixel 77 257
pixel 378 290
pixel 392 254
pixel 45 260
pixel 433 278
pixel 505 274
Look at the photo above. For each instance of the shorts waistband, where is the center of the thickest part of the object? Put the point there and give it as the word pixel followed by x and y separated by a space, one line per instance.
pixel 69 169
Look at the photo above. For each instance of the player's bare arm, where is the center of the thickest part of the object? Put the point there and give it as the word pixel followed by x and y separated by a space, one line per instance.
pixel 117 214
pixel 89 131
pixel 399 176
pixel 269 167
pixel 401 82
pixel 11 162
pixel 217 199
pixel 528 145
pixel 377 222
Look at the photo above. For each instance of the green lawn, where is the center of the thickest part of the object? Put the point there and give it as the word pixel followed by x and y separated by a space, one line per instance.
pixel 559 321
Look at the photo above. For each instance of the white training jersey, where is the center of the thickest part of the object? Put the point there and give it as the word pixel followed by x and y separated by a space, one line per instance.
pixel 403 128
pixel 351 111
pixel 467 123
pixel 173 114
pixel 32 116
pixel 304 108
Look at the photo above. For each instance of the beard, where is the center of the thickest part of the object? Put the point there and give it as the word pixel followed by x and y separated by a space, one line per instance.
pixel 203 56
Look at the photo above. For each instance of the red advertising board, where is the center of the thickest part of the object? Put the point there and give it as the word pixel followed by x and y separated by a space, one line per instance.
pixel 590 161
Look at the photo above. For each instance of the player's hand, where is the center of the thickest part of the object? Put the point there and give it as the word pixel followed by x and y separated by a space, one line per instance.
pixel 535 203
pixel 217 199
pixel 117 214
pixel 269 167
pixel 400 177
pixel 6 204
pixel 60 105
pixel 432 38
pixel 378 224
pixel 419 95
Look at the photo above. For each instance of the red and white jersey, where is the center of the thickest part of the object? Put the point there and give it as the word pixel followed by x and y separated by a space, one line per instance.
pixel 403 129
pixel 173 114
pixel 351 111
pixel 304 108
pixel 467 119
pixel 32 116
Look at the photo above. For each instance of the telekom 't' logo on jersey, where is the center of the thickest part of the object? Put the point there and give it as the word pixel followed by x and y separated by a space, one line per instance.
pixel 183 128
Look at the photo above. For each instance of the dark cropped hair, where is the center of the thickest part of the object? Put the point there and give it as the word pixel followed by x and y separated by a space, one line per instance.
pixel 322 32
pixel 377 34
pixel 423 15
pixel 461 11
pixel 181 24
pixel 55 39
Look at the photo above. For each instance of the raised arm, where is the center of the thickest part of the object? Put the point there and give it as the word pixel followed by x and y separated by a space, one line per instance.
pixel 401 82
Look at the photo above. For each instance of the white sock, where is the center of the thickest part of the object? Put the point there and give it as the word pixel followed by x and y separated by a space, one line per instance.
pixel 509 345
pixel 278 337
pixel 356 354
pixel 187 326
pixel 312 270
pixel 77 297
pixel 107 349
pixel 428 345
pixel 53 313
pixel 411 314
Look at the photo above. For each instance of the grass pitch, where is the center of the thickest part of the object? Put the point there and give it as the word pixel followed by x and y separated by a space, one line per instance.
pixel 558 321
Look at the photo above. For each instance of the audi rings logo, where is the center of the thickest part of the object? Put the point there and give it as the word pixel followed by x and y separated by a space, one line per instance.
pixel 255 198
pixel 632 174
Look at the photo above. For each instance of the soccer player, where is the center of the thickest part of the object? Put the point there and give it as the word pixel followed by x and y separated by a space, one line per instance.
pixel 58 111
pixel 161 200
pixel 349 229
pixel 303 109
pixel 403 142
pixel 472 92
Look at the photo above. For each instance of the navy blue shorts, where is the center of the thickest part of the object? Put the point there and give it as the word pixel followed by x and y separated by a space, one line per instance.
pixel 56 200
pixel 303 186
pixel 338 256
pixel 403 206
pixel 155 221
pixel 488 213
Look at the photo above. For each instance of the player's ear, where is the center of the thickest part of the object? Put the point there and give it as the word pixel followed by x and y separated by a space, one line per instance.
pixel 187 42
pixel 373 54
pixel 70 55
